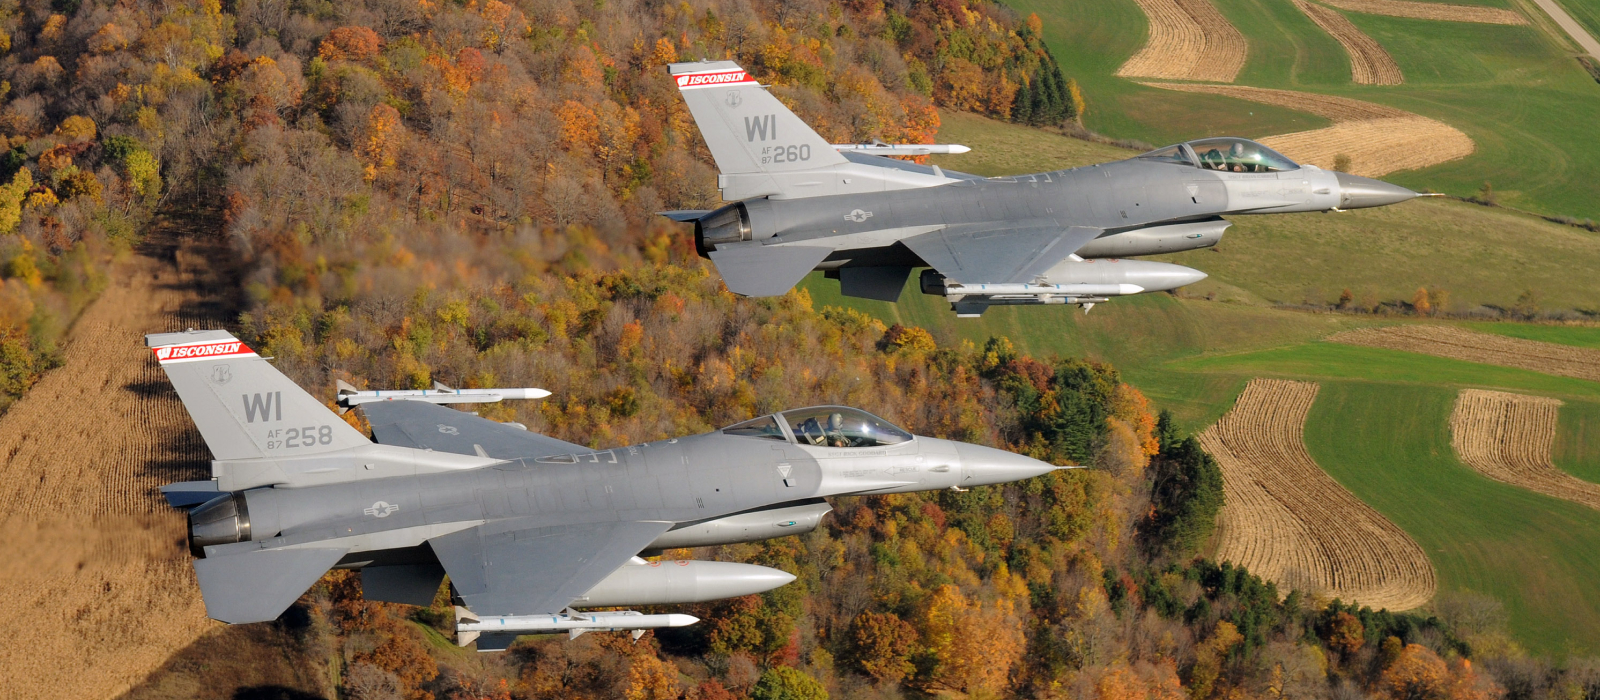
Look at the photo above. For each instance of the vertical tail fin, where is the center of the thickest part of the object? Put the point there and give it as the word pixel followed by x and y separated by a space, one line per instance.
pixel 750 133
pixel 763 149
pixel 244 407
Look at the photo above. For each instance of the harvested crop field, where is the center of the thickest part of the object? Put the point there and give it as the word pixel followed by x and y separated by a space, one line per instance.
pixel 1288 521
pixel 1507 437
pixel 1487 348
pixel 1369 63
pixel 1189 40
pixel 1378 139
pixel 95 582
pixel 1431 10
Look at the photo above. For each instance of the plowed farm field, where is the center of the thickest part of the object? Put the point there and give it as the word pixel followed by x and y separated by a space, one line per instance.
pixel 1189 40
pixel 96 589
pixel 1288 521
pixel 1472 346
pixel 1369 63
pixel 1507 437
pixel 1431 10
pixel 1378 139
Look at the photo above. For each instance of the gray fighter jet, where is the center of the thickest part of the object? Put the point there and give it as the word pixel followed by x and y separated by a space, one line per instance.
pixel 803 204
pixel 528 527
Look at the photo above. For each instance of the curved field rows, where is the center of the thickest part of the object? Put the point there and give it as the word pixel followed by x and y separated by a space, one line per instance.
pixel 1507 438
pixel 1369 63
pixel 1487 348
pixel 1290 522
pixel 1378 139
pixel 96 590
pixel 1431 10
pixel 1189 40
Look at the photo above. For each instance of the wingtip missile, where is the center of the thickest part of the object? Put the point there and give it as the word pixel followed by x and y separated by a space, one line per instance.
pixel 350 397
pixel 901 149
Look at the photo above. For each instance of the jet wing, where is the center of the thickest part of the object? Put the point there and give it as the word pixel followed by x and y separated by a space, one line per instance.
pixel 994 255
pixel 515 567
pixel 426 426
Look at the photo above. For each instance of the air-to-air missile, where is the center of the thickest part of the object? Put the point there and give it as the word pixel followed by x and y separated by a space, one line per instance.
pixel 529 528
pixel 798 203
pixel 350 397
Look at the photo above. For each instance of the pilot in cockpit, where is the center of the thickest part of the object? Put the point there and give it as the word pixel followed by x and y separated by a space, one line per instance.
pixel 836 436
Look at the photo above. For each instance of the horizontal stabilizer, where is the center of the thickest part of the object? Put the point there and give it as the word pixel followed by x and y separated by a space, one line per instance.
pixel 755 270
pixel 190 493
pixel 259 585
pixel 684 214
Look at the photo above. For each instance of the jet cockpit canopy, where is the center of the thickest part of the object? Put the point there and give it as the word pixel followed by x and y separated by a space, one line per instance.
pixel 1224 153
pixel 823 426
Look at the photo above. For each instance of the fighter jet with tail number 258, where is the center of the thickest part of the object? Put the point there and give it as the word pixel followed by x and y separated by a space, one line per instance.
pixel 529 528
pixel 800 204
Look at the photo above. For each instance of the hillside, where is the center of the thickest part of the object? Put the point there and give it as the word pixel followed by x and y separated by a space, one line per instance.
pixel 465 193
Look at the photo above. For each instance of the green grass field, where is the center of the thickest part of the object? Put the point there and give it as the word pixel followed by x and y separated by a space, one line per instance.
pixel 1577 447
pixel 1390 445
pixel 1338 361
pixel 1580 336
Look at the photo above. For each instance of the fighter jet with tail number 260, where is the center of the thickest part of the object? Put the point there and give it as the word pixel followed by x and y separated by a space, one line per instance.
pixel 800 204
pixel 529 528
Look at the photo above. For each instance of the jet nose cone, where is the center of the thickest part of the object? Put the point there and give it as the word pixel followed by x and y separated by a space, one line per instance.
pixel 1356 192
pixel 986 465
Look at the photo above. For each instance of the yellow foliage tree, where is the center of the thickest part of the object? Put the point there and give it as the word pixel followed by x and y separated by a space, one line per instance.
pixel 976 645
pixel 663 53
pixel 650 678
pixel 385 134
pixel 76 128
pixel 11 198
pixel 1125 683
pixel 1209 658
pixel 1419 301
pixel 1418 674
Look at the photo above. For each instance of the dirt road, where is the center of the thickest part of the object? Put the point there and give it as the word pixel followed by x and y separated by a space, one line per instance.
pixel 96 589
pixel 1570 26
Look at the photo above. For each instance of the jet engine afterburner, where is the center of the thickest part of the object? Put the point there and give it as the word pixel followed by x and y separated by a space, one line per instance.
pixel 221 520
pixel 750 220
